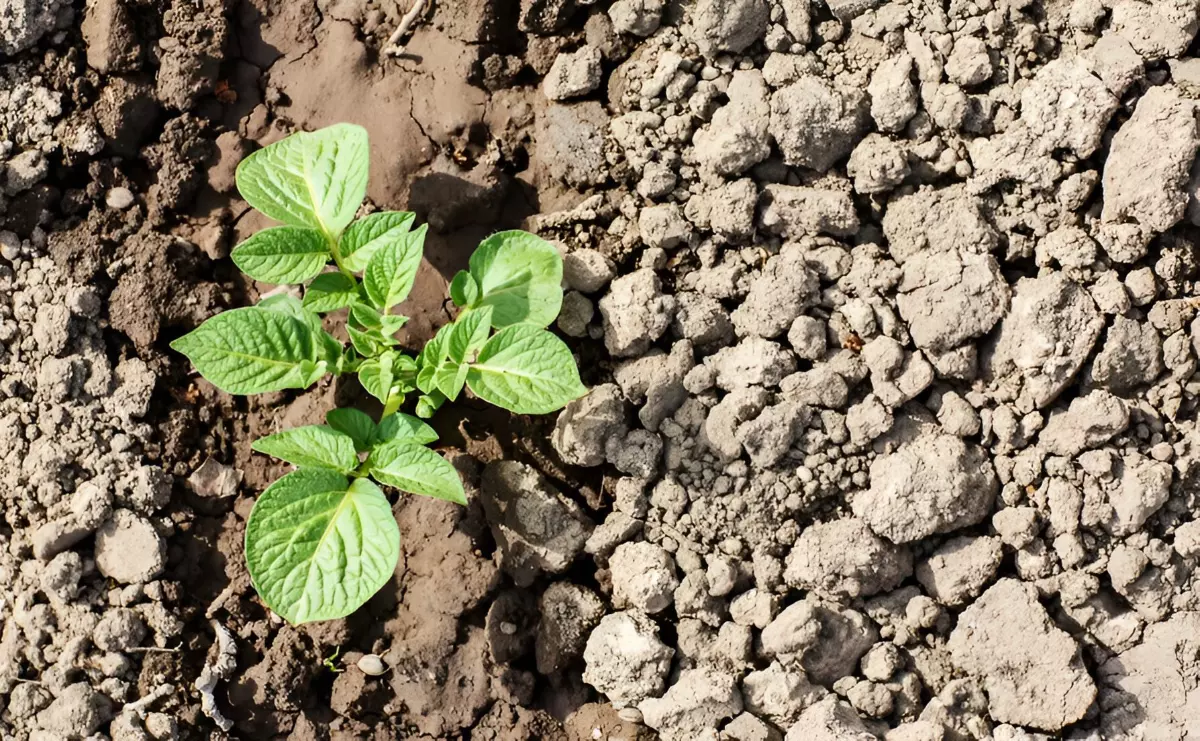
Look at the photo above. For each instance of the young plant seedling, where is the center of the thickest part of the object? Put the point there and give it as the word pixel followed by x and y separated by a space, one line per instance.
pixel 322 540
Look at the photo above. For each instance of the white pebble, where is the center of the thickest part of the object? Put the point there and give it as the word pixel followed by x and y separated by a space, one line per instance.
pixel 119 198
pixel 10 246
pixel 371 665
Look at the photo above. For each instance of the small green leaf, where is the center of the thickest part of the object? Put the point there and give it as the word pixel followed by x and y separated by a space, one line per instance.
pixel 451 378
pixel 432 357
pixel 367 317
pixel 428 404
pixel 520 276
pixel 416 469
pixel 377 376
pixel 526 370
pixel 283 254
pixel 330 350
pixel 404 428
pixel 252 351
pixel 370 234
pixel 312 446
pixel 315 180
pixel 390 274
pixel 358 425
pixel 330 292
pixel 318 547
pixel 463 289
pixel 391 323
pixel 470 332
pixel 368 342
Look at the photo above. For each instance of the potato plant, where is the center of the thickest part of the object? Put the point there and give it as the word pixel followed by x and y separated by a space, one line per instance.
pixel 322 540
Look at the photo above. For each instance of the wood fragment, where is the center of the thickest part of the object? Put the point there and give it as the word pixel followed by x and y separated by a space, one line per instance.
pixel 393 47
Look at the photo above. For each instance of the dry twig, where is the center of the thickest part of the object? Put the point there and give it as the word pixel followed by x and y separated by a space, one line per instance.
pixel 393 47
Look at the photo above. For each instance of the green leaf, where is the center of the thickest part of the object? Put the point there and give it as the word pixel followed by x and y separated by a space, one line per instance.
pixel 358 425
pixel 315 180
pixel 432 356
pixel 428 404
pixel 312 446
pixel 520 276
pixel 330 292
pixel 252 351
pixel 464 291
pixel 366 316
pixel 390 274
pixel 450 379
pixel 416 469
pixel 368 342
pixel 331 351
pixel 370 234
pixel 470 332
pixel 391 323
pixel 526 370
pixel 377 376
pixel 404 428
pixel 283 254
pixel 319 547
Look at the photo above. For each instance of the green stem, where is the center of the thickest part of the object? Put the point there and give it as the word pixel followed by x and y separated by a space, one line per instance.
pixel 337 257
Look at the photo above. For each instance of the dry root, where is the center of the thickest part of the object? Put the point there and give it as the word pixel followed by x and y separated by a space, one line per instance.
pixel 393 47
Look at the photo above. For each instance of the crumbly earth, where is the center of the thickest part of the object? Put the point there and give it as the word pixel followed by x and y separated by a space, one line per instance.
pixel 889 309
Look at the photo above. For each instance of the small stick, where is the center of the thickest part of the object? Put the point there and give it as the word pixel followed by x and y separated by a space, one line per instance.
pixel 140 706
pixel 393 47
pixel 154 649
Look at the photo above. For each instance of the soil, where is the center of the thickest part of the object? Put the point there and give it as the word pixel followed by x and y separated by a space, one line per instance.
pixel 889 310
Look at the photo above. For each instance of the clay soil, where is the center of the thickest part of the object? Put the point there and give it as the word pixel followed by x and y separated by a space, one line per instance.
pixel 889 310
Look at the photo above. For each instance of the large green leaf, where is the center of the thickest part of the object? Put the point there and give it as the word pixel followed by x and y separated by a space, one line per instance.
pixel 316 180
pixel 330 292
pixel 526 370
pixel 358 425
pixel 370 234
pixel 318 547
pixel 403 428
pixel 391 272
pixel 311 446
pixel 253 350
pixel 283 254
pixel 520 276
pixel 416 469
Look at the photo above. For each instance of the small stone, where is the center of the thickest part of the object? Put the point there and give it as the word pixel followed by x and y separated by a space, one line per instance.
pixel 636 17
pixel 129 549
pixel 573 74
pixel 969 63
pixel 372 665
pixel 119 198
pixel 643 576
pixel 625 659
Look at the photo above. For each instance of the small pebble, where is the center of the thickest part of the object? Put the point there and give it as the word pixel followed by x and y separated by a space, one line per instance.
pixel 371 665
pixel 630 715
pixel 10 246
pixel 119 198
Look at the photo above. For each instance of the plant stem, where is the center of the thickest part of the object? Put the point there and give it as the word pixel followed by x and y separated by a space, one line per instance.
pixel 337 257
